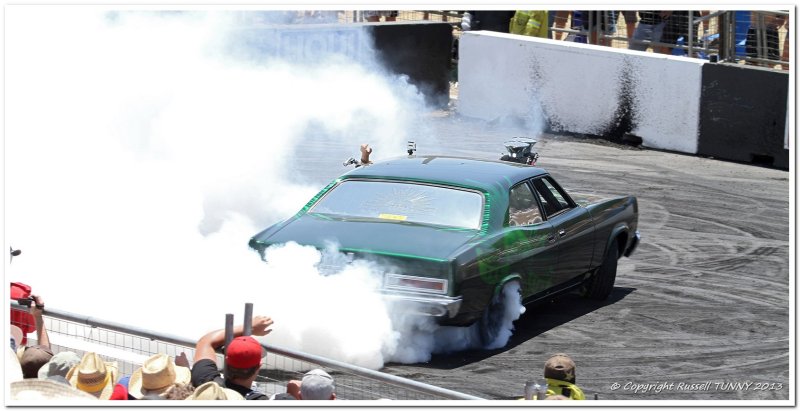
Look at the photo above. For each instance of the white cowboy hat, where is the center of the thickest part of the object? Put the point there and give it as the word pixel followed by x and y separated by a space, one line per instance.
pixel 212 391
pixel 157 375
pixel 33 389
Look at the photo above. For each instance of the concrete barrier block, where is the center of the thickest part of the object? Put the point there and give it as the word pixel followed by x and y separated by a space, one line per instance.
pixel 743 114
pixel 581 88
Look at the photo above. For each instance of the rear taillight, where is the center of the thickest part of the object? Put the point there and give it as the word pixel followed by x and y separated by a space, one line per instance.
pixel 410 283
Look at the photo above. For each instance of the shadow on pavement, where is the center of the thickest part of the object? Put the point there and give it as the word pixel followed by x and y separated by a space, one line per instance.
pixel 537 320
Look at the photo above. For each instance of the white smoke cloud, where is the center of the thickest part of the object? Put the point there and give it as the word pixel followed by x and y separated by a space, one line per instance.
pixel 140 158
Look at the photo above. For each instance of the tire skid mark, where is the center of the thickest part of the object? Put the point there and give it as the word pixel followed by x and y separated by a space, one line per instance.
pixel 644 273
pixel 700 292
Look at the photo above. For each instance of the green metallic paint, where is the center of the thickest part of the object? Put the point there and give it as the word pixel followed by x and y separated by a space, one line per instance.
pixel 477 267
pixel 391 254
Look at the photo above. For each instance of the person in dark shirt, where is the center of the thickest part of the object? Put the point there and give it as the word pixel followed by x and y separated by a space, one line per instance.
pixel 763 38
pixel 242 359
pixel 651 28
pixel 490 20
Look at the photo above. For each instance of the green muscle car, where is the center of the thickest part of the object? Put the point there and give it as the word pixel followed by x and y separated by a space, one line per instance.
pixel 452 232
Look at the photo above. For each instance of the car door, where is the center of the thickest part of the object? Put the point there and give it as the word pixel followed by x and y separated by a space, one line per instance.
pixel 531 241
pixel 572 225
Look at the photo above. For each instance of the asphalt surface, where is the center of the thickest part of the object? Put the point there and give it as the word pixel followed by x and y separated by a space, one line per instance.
pixel 699 312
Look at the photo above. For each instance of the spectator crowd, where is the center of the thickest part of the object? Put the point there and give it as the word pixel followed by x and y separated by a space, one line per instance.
pixel 36 373
pixel 663 31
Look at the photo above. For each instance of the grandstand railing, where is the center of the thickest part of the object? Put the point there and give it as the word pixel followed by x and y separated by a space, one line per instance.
pixel 130 346
pixel 716 35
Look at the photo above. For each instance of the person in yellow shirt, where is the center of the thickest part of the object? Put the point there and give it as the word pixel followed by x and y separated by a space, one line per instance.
pixel 559 372
pixel 530 23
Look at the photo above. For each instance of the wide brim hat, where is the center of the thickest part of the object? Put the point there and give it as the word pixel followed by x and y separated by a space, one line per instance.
pixel 60 364
pixel 156 376
pixel 13 369
pixel 34 390
pixel 94 376
pixel 212 391
pixel 34 358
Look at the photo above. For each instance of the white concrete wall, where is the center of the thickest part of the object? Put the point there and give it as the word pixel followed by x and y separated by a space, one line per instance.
pixel 579 88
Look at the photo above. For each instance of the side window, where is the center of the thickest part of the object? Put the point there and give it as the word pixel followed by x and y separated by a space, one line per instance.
pixel 552 199
pixel 522 207
pixel 557 194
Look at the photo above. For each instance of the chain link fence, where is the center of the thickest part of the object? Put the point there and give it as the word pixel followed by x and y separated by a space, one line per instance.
pixel 752 37
pixel 130 347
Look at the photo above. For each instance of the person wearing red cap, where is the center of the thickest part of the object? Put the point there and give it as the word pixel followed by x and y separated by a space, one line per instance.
pixel 242 359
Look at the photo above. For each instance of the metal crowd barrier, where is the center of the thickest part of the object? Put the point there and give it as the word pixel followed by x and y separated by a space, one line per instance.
pixel 130 346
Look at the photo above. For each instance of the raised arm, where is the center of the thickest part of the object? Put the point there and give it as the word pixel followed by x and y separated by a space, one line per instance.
pixel 37 310
pixel 208 344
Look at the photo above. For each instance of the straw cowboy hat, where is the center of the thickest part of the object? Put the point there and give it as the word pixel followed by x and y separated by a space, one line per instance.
pixel 93 375
pixel 35 389
pixel 13 369
pixel 157 375
pixel 212 391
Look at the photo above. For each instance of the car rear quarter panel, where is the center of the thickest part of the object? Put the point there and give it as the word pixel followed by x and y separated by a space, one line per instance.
pixel 613 217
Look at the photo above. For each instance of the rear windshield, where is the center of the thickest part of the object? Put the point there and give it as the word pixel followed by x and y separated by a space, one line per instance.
pixel 401 201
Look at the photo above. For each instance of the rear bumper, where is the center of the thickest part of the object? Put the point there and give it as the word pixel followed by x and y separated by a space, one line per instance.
pixel 634 243
pixel 424 304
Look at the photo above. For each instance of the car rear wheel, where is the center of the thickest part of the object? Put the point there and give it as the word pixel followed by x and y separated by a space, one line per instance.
pixel 495 324
pixel 602 282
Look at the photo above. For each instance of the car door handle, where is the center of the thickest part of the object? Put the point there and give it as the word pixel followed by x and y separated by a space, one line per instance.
pixel 551 238
pixel 561 233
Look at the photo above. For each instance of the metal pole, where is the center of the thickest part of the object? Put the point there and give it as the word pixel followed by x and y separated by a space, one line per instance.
pixel 690 21
pixel 248 319
pixel 228 330
pixel 761 34
pixel 724 33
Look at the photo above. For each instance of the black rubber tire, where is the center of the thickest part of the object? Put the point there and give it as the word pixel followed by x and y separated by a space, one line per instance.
pixel 601 284
pixel 491 322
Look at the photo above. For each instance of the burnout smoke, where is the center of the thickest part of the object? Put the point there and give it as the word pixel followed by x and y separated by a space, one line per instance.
pixel 142 153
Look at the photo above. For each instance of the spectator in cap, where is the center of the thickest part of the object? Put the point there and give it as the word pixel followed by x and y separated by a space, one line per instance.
pixel 559 372
pixel 242 359
pixel 60 364
pixel 212 391
pixel 316 385
pixel 157 375
pixel 93 375
pixel 20 318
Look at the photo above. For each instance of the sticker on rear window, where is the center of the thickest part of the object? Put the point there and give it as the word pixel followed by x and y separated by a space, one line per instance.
pixel 392 217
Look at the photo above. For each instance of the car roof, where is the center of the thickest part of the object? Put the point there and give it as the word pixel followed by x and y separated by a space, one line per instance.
pixel 484 175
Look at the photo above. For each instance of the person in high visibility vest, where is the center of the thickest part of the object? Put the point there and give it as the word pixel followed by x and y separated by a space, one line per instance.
pixel 530 23
pixel 559 372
